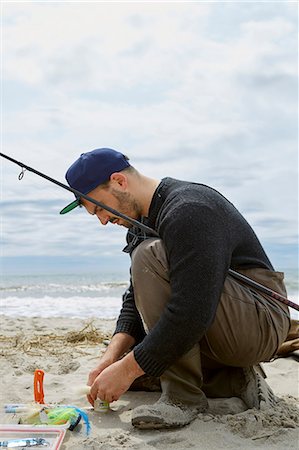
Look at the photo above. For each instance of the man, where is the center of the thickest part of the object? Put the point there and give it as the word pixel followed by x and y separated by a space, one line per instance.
pixel 185 320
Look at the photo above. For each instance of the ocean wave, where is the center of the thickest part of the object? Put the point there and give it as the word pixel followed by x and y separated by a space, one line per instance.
pixel 79 307
pixel 54 290
pixel 76 306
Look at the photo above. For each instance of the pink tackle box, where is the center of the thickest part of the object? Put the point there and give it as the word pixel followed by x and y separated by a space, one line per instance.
pixel 53 435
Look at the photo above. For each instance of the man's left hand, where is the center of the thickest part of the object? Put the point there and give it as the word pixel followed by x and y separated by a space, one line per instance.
pixel 116 379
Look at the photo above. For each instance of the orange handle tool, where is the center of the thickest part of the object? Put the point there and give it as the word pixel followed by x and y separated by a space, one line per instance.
pixel 38 386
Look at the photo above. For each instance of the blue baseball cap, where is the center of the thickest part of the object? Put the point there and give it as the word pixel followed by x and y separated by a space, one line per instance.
pixel 92 169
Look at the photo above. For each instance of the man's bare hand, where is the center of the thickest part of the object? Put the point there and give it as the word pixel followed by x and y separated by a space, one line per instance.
pixel 95 373
pixel 119 344
pixel 115 379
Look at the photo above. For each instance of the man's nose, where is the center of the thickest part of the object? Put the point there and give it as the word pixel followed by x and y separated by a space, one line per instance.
pixel 103 218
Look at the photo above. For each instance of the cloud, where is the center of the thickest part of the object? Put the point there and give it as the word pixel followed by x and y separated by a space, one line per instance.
pixel 198 91
pixel 34 227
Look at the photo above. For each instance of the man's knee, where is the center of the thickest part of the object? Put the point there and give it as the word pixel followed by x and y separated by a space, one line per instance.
pixel 149 256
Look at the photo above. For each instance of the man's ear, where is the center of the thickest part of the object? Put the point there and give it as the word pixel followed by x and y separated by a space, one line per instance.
pixel 119 180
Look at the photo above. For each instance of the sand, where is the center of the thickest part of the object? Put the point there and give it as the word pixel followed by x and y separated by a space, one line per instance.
pixel 66 354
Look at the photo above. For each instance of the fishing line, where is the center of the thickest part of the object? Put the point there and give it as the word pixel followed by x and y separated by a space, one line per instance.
pixel 237 275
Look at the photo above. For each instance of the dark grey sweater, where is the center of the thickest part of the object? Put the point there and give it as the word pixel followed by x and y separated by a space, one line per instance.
pixel 204 235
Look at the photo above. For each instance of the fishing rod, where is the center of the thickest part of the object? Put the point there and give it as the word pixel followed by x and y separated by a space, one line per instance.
pixel 233 273
pixel 263 289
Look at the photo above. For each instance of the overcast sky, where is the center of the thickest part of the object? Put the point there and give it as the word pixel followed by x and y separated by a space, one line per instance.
pixel 202 91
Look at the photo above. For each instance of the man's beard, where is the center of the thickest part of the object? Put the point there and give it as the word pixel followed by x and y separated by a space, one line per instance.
pixel 126 205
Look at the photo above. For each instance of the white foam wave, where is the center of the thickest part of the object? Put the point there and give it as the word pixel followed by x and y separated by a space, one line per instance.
pixel 79 307
pixel 75 306
pixel 71 288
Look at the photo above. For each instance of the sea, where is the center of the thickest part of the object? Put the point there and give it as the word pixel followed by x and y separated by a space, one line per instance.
pixel 79 295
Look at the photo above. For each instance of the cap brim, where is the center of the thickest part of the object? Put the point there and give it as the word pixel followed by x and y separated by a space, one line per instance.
pixel 70 207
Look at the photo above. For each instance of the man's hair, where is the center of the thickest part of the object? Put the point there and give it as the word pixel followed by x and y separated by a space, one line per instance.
pixel 129 169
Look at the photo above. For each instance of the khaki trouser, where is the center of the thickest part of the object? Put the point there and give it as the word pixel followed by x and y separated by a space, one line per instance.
pixel 248 328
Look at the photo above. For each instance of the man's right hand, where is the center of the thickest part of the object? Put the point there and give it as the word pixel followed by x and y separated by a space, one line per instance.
pixel 120 344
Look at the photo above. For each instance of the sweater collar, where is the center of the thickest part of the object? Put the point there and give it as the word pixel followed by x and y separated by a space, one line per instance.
pixel 157 201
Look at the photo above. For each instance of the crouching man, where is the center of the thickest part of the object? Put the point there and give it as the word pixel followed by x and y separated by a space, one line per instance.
pixel 183 317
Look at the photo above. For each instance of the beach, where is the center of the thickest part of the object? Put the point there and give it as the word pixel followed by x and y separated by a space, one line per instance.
pixel 66 349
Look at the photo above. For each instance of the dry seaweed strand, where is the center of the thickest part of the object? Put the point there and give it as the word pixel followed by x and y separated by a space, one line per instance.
pixel 53 343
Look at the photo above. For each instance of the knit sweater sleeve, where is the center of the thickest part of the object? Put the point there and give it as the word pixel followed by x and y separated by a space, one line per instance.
pixel 199 257
pixel 129 320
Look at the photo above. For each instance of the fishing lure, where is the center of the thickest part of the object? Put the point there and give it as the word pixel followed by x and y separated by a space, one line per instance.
pixel 22 443
pixel 58 415
pixel 84 417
